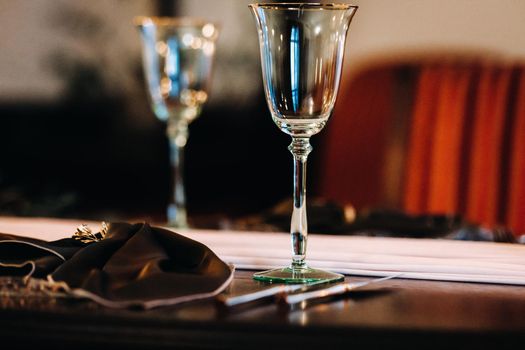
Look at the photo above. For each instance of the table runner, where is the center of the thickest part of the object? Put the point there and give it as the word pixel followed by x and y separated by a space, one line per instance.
pixel 430 259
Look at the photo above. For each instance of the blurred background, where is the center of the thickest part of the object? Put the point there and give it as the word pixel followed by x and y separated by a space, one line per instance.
pixel 78 138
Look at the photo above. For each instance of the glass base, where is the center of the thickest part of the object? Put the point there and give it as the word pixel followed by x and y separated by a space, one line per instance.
pixel 297 275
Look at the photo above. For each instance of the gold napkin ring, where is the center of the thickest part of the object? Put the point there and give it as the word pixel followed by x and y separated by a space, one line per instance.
pixel 85 235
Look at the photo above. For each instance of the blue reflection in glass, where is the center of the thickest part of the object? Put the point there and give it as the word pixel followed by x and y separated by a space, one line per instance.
pixel 172 66
pixel 294 67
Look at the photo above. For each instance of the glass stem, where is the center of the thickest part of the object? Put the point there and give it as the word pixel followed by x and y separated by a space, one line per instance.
pixel 177 136
pixel 300 148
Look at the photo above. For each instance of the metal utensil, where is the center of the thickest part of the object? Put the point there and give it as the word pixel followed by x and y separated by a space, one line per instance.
pixel 335 290
pixel 268 294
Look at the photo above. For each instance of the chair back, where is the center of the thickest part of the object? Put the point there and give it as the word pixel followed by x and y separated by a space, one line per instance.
pixel 431 137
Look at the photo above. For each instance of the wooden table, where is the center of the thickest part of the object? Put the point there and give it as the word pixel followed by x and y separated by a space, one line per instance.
pixel 398 313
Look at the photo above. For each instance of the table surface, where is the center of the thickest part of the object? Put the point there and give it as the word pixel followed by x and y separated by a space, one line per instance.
pixel 408 313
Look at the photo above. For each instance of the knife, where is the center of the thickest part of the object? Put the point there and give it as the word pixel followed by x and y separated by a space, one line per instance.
pixel 331 291
pixel 268 294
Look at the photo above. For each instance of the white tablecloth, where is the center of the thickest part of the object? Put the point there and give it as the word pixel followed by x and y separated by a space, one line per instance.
pixel 367 256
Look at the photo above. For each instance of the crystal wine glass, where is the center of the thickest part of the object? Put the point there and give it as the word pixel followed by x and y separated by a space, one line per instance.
pixel 302 48
pixel 177 55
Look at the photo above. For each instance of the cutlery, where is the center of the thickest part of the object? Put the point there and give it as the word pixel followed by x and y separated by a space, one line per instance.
pixel 295 293
pixel 329 292
pixel 268 294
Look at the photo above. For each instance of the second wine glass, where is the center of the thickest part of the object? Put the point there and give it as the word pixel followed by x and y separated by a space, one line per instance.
pixel 177 56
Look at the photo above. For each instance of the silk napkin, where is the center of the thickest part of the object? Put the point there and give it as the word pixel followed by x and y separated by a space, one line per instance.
pixel 134 265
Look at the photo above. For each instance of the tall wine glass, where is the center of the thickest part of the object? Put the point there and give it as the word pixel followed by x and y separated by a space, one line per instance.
pixel 302 48
pixel 177 55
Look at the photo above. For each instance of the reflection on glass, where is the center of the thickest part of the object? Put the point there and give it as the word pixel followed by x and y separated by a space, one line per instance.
pixel 177 58
pixel 302 47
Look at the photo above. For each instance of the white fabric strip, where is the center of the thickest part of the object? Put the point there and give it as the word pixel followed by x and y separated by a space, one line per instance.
pixel 431 259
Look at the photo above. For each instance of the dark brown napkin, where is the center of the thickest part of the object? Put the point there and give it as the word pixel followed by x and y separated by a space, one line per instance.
pixel 134 265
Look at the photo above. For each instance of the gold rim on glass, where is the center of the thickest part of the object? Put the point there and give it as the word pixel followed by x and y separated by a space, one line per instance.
pixel 302 6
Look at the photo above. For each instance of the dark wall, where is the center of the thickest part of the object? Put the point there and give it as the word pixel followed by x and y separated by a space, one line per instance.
pixel 81 159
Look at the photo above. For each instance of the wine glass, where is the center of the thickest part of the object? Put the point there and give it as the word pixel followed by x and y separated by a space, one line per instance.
pixel 302 48
pixel 177 56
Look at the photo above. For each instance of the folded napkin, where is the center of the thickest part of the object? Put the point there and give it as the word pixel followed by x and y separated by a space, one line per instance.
pixel 431 259
pixel 133 265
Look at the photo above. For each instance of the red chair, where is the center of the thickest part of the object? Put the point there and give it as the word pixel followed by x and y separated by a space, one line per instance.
pixel 463 148
pixel 353 143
